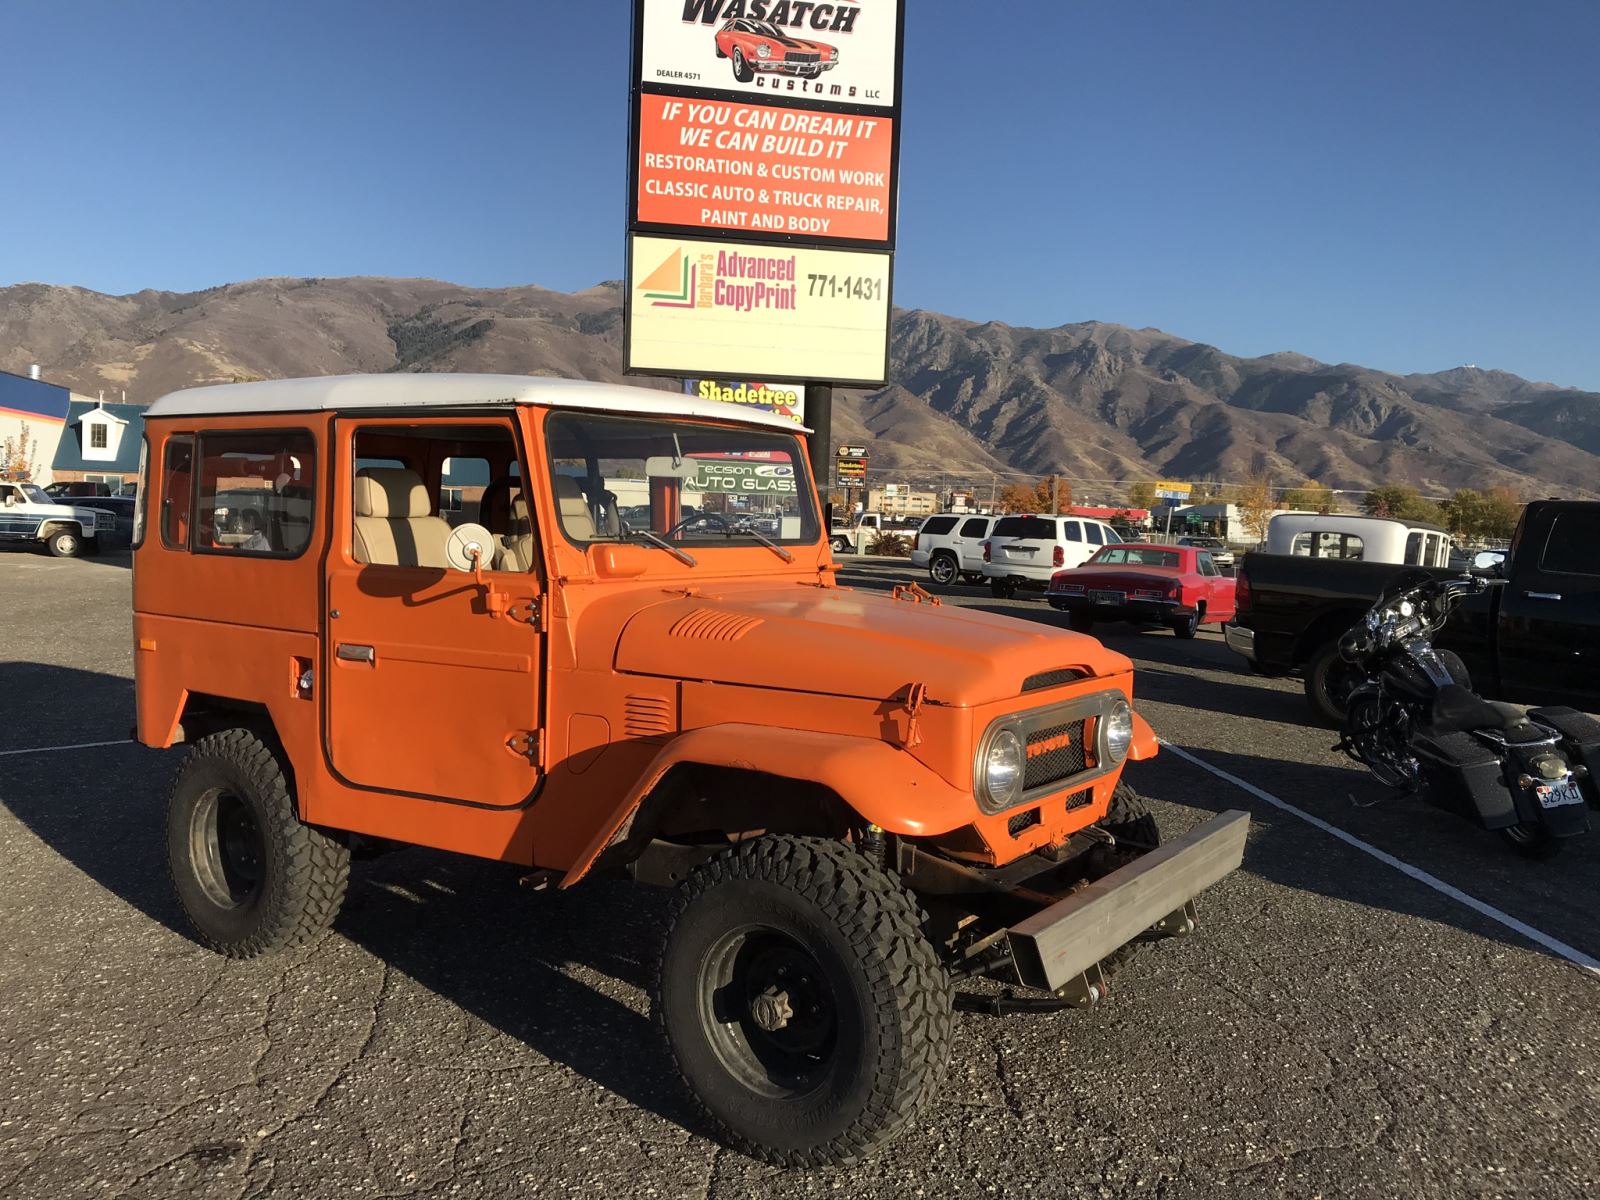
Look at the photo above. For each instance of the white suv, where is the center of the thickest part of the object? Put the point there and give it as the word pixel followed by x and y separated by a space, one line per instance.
pixel 1026 550
pixel 951 545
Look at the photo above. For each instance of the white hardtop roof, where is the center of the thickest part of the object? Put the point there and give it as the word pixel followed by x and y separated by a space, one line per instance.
pixel 404 390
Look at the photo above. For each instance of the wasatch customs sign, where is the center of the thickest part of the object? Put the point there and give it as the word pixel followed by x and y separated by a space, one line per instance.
pixel 840 53
pixel 780 313
pixel 763 188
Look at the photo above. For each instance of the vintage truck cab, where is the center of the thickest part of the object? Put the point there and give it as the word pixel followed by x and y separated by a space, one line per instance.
pixel 442 630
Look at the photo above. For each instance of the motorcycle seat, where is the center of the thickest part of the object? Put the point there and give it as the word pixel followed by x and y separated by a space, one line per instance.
pixel 1458 709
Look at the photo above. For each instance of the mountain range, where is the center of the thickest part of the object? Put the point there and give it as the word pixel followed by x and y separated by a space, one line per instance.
pixel 969 400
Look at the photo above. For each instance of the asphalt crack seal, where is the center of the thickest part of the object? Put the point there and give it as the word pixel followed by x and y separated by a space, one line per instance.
pixel 1538 937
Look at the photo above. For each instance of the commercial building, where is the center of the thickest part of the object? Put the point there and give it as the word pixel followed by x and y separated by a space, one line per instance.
pixel 99 444
pixel 898 500
pixel 33 415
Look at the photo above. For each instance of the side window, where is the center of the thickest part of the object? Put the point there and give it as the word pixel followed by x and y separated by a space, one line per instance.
pixel 975 527
pixel 938 526
pixel 177 482
pixel 413 483
pixel 1431 555
pixel 257 493
pixel 1074 531
pixel 141 491
pixel 1096 538
pixel 1302 545
pixel 1207 567
pixel 1414 548
pixel 1353 546
pixel 1570 549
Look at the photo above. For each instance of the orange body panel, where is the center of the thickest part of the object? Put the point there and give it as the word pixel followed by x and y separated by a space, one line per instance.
pixel 532 736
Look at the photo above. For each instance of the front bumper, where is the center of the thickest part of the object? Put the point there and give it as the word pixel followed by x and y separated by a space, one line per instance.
pixel 1057 946
pixel 1160 611
pixel 788 68
pixel 1241 641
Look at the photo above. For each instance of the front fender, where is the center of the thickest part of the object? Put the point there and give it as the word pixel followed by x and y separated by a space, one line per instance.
pixel 887 786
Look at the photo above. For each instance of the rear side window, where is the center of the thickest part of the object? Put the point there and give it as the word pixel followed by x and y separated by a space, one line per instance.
pixel 1096 537
pixel 257 493
pixel 1207 567
pixel 177 482
pixel 975 527
pixel 934 526
pixel 1039 528
pixel 1074 532
pixel 1571 547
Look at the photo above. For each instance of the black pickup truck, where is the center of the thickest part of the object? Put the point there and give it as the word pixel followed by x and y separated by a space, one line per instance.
pixel 1531 638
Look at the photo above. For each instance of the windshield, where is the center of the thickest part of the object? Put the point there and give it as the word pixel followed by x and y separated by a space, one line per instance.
pixel 35 493
pixel 763 28
pixel 1135 556
pixel 626 479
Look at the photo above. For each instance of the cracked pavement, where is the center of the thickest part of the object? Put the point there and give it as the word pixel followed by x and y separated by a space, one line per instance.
pixel 1334 1029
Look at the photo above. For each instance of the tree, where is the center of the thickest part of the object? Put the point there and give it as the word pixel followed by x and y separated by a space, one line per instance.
pixel 1502 508
pixel 1040 497
pixel 17 455
pixel 1311 496
pixel 1141 495
pixel 1018 497
pixel 1402 503
pixel 1253 498
pixel 1464 514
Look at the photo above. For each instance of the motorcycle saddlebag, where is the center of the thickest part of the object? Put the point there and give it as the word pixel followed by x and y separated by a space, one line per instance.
pixel 1463 775
pixel 1583 731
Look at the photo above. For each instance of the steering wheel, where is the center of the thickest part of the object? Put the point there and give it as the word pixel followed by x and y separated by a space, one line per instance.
pixel 696 519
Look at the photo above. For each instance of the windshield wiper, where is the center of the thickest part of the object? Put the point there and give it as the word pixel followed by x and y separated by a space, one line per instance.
pixel 681 555
pixel 765 541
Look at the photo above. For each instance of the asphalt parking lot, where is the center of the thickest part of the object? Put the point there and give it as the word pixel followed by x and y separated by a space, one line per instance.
pixel 1339 1026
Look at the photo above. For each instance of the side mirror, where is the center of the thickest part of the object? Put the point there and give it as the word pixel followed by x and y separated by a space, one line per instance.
pixel 1489 562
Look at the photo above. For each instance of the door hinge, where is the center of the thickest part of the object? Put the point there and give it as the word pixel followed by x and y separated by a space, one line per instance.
pixel 530 611
pixel 530 745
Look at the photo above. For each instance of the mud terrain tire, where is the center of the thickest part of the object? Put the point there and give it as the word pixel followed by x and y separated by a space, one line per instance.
pixel 252 878
pixel 809 928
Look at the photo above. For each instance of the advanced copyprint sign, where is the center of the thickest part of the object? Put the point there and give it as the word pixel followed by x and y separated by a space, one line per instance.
pixel 764 169
pixel 776 313
pixel 839 53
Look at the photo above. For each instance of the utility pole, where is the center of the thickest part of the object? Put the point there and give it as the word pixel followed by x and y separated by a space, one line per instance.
pixel 819 415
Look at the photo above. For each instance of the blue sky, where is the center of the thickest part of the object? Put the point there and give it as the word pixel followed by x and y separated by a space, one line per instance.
pixel 1408 185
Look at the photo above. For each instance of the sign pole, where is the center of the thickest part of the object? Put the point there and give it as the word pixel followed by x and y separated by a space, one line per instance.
pixel 819 415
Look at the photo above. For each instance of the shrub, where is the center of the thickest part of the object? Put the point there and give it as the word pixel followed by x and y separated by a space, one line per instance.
pixel 890 545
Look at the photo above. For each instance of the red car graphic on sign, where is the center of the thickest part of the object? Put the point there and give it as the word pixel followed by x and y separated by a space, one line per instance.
pixel 760 46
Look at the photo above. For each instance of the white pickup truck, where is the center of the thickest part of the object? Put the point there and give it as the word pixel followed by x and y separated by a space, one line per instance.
pixel 28 515
pixel 854 538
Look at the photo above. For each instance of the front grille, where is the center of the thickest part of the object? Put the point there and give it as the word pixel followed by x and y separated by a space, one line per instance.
pixel 1021 821
pixel 1079 799
pixel 1050 679
pixel 1055 752
pixel 802 56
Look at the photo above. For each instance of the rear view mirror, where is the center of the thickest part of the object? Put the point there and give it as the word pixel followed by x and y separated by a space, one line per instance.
pixel 663 466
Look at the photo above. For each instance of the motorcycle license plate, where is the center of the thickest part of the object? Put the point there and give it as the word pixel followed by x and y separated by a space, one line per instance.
pixel 1558 795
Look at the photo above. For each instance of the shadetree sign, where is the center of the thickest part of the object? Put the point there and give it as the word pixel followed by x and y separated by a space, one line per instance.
pixel 763 189
pixel 837 53
pixel 778 313
pixel 779 399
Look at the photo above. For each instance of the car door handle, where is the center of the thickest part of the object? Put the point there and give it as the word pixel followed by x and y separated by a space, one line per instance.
pixel 352 653
pixel 1542 595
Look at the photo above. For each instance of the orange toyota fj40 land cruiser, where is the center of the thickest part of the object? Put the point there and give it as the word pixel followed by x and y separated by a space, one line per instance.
pixel 594 629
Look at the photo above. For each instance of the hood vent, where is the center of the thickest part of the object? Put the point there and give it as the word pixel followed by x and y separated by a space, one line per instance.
pixel 713 625
pixel 1050 679
pixel 646 716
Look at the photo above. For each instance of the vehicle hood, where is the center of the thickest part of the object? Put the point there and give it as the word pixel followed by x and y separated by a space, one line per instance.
pixel 840 642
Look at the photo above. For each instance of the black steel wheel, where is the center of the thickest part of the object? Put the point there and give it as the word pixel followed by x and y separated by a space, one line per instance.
pixel 942 568
pixel 250 875
pixel 807 1012
pixel 1001 589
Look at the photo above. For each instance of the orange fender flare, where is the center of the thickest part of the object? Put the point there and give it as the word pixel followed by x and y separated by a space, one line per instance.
pixel 887 786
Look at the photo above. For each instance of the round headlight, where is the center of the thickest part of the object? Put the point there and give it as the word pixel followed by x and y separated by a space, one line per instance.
pixel 1001 769
pixel 763 51
pixel 1117 733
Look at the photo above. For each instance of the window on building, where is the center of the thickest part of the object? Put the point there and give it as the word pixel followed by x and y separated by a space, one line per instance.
pixel 257 493
pixel 99 437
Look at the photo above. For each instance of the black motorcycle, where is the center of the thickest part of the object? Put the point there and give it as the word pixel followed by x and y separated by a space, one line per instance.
pixel 1415 721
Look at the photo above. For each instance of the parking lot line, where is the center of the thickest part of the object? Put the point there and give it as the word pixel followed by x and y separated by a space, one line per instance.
pixel 1576 957
pixel 75 746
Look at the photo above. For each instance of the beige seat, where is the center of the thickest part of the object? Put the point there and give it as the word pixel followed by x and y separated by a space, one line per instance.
pixel 516 546
pixel 576 519
pixel 394 523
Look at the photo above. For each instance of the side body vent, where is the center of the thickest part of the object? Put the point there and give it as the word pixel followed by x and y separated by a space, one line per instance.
pixel 647 716
pixel 711 625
